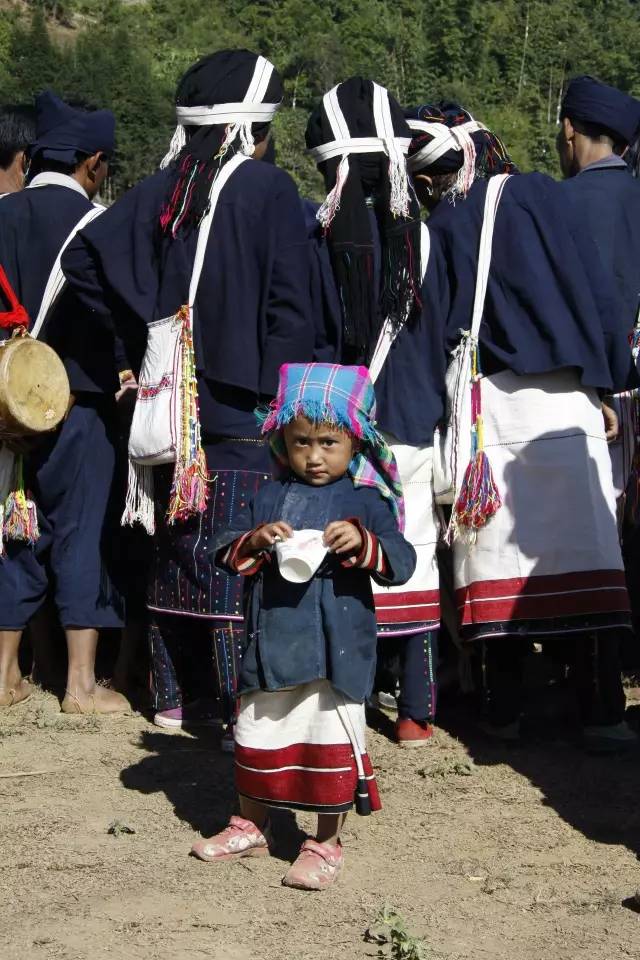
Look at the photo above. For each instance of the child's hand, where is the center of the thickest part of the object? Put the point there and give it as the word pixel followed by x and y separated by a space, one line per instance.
pixel 265 537
pixel 343 537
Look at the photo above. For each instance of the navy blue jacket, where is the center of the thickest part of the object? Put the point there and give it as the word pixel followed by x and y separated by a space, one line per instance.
pixel 252 309
pixel 604 202
pixel 549 303
pixel 34 223
pixel 324 629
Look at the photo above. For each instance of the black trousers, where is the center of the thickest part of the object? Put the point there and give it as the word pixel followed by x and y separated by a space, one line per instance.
pixel 594 671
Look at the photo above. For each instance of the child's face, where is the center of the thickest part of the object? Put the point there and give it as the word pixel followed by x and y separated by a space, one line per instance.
pixel 318 452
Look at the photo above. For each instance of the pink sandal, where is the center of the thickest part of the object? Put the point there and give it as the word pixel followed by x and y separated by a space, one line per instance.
pixel 241 838
pixel 317 866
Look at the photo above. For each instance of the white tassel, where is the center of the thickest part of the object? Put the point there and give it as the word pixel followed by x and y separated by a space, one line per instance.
pixel 467 172
pixel 139 506
pixel 178 141
pixel 398 179
pixel 331 205
pixel 246 139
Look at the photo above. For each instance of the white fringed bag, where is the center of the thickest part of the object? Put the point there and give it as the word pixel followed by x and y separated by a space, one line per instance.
pixel 158 429
pixel 452 445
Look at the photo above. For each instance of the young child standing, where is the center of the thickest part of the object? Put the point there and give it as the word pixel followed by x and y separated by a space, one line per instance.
pixel 310 648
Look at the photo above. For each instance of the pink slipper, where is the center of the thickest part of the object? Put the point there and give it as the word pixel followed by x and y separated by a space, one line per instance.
pixel 240 839
pixel 318 866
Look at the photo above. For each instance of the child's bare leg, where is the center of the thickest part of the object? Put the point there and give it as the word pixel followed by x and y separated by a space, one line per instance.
pixel 255 812
pixel 330 826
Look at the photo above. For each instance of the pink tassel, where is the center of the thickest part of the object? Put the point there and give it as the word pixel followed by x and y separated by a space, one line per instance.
pixel 479 498
pixel 189 490
pixel 20 518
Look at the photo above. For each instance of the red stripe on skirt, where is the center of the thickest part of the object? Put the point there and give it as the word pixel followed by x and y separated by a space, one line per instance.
pixel 411 607
pixel 302 787
pixel 571 594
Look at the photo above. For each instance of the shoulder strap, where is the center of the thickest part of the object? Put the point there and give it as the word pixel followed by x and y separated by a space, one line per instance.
pixel 495 187
pixel 205 224
pixel 56 280
pixel 388 334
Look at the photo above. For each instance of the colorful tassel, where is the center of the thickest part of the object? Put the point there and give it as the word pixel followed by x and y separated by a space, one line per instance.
pixel 479 498
pixel 20 512
pixel 189 490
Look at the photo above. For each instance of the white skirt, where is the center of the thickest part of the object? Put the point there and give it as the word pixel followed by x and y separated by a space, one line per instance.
pixel 549 561
pixel 303 747
pixel 415 606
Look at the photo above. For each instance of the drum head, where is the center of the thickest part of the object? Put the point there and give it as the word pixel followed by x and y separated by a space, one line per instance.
pixel 34 389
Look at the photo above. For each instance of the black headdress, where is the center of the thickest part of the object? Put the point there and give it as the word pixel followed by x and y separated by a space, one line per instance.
pixel 447 139
pixel 359 138
pixel 221 101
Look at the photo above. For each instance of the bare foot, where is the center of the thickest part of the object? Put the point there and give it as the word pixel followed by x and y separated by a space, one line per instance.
pixel 20 691
pixel 100 700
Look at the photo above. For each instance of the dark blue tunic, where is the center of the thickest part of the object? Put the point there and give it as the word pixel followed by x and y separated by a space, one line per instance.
pixel 549 304
pixel 324 629
pixel 34 223
pixel 71 472
pixel 252 308
pixel 604 202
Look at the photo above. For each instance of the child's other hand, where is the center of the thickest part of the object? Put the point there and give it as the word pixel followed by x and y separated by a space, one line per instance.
pixel 343 537
pixel 265 537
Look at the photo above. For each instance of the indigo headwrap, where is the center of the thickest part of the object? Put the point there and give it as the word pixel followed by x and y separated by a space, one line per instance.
pixel 63 132
pixel 591 101
pixel 222 101
pixel 447 139
pixel 359 138
pixel 343 396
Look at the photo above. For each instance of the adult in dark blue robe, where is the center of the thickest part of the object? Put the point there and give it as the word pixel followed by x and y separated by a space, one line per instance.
pixel 69 472
pixel 251 316
pixel 598 123
pixel 553 338
pixel 372 272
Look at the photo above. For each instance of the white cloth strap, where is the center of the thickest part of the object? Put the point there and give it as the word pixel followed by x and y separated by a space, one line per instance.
pixel 495 186
pixel 442 140
pixel 389 332
pixel 224 113
pixel 205 224
pixel 56 281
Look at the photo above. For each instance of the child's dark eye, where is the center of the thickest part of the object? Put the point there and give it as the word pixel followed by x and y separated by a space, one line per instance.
pixel 328 443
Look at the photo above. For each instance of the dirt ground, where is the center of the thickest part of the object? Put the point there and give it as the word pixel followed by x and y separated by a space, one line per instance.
pixel 488 852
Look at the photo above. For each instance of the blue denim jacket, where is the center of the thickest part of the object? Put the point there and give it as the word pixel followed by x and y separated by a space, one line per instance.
pixel 324 629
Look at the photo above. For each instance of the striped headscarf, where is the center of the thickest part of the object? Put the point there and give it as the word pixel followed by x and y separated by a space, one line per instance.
pixel 344 397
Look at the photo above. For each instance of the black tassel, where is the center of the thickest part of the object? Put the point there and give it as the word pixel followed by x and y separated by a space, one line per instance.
pixel 362 799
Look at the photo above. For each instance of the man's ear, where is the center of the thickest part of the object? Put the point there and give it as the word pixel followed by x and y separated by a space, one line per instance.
pixel 568 130
pixel 92 164
pixel 425 180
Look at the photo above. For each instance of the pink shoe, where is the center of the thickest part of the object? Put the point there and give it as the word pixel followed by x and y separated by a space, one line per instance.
pixel 240 839
pixel 318 866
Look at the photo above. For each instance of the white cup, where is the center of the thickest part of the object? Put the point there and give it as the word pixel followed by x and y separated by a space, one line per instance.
pixel 300 556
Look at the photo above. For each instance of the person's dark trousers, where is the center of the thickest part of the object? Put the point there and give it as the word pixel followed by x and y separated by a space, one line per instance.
pixel 412 661
pixel 193 659
pixel 502 678
pixel 597 678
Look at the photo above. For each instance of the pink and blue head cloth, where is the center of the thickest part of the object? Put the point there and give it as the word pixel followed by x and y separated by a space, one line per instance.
pixel 344 397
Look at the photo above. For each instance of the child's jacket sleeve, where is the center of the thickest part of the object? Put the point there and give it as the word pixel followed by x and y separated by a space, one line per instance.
pixel 228 543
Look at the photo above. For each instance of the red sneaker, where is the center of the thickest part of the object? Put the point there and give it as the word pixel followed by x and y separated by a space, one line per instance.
pixel 412 734
pixel 318 866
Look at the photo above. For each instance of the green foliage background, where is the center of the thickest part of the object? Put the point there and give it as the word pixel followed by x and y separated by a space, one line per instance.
pixel 505 60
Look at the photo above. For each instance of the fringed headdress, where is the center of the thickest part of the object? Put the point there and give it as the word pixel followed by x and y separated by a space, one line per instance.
pixel 222 102
pixel 359 138
pixel 344 397
pixel 447 139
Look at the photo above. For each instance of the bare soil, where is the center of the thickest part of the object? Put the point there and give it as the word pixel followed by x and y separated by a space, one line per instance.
pixel 489 852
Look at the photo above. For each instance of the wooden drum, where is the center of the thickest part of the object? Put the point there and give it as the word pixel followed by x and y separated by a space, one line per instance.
pixel 34 389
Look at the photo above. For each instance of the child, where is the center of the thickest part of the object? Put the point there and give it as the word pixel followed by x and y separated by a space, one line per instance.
pixel 310 648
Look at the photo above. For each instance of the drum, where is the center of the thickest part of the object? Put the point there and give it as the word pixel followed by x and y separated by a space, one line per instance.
pixel 34 389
